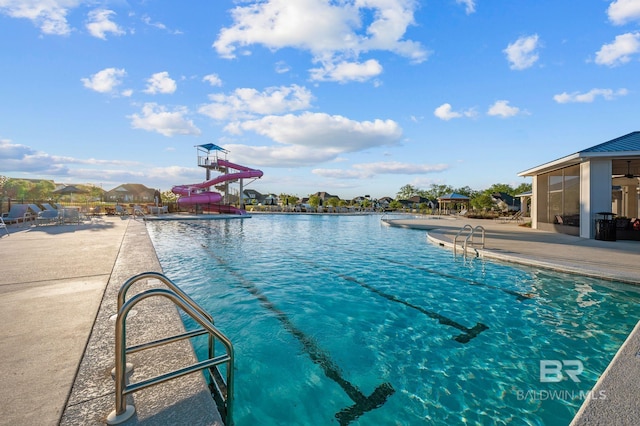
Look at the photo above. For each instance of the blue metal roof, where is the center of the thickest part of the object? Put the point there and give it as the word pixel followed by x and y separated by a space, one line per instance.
pixel 453 196
pixel 629 142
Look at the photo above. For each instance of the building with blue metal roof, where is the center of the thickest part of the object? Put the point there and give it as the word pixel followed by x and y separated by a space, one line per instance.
pixel 570 193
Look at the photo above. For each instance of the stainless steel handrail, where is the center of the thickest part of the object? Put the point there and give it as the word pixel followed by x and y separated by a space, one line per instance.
pixel 123 411
pixel 470 236
pixel 455 239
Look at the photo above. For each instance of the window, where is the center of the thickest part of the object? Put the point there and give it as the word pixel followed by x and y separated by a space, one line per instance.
pixel 560 196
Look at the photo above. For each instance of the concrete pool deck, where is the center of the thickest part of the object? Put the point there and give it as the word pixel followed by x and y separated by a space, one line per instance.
pixel 57 294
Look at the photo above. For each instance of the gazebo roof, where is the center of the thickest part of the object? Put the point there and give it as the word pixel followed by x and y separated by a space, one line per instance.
pixel 453 197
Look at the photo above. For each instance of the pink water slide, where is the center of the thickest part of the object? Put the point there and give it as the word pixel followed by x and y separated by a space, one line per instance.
pixel 198 193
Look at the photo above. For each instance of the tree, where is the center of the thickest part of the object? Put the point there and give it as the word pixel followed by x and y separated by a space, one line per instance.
pixel 406 192
pixel 18 188
pixel 43 189
pixel 314 201
pixel 435 191
pixel 501 187
pixel 395 205
pixel 523 187
pixel 333 202
pixel 482 201
pixel 169 197
pixel 288 199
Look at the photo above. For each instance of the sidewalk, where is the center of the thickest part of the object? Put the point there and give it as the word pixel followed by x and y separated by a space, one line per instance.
pixel 57 295
pixel 610 260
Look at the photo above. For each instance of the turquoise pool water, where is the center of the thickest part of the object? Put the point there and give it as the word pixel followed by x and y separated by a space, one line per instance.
pixel 342 320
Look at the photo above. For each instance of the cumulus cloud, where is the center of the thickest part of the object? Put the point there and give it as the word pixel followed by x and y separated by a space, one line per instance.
pixel 156 118
pixel 105 81
pixel 333 33
pixel 24 159
pixel 322 130
pixel 622 11
pixel 369 170
pixel 347 71
pixel 445 112
pixel 212 79
pixel 589 96
pixel 470 5
pixel 522 53
pixel 48 15
pixel 248 103
pixel 100 24
pixel 619 52
pixel 503 109
pixel 311 138
pixel 160 82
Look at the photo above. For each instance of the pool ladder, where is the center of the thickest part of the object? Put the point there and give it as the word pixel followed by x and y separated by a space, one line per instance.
pixel 468 237
pixel 222 388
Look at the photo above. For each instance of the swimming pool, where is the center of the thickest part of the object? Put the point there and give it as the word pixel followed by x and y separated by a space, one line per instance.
pixel 342 320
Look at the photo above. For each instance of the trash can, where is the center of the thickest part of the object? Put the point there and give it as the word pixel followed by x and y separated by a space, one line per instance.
pixel 606 227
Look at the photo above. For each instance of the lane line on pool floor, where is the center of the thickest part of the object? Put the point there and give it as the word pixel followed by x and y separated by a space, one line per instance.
pixel 362 403
pixel 467 333
pixel 518 295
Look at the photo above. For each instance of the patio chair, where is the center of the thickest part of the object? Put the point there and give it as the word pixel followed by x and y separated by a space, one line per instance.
pixel 70 216
pixel 47 217
pixel 4 225
pixel 18 213
pixel 35 209
pixel 48 206
pixel 121 211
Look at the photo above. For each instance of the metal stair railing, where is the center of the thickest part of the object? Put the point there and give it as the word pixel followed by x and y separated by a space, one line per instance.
pixel 224 388
pixel 471 232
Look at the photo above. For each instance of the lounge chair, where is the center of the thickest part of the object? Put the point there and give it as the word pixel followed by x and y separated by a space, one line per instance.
pixel 35 209
pixel 47 217
pixel 18 213
pixel 48 206
pixel 121 211
pixel 70 216
pixel 4 225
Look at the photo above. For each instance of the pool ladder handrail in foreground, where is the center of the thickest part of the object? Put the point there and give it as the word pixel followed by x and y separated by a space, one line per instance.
pixel 469 237
pixel 224 388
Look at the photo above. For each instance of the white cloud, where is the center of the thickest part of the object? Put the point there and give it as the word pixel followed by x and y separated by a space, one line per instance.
pixel 502 109
pixel 310 138
pixel 105 81
pixel 49 15
pixel 156 118
pixel 522 53
pixel 619 52
pixel 212 79
pixel 622 11
pixel 160 82
pixel 589 96
pixel 445 112
pixel 147 20
pixel 470 5
pixel 247 103
pixel 347 71
pixel 369 170
pixel 320 130
pixel 100 24
pixel 282 67
pixel 333 33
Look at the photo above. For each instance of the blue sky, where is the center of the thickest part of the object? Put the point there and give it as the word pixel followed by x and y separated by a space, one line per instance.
pixel 351 97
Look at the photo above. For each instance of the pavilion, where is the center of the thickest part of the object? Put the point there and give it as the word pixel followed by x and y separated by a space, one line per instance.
pixel 570 193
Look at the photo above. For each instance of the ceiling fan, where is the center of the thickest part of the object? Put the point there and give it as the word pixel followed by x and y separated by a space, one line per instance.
pixel 628 175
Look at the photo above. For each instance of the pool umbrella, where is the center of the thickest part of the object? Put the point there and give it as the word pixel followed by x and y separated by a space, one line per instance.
pixel 70 190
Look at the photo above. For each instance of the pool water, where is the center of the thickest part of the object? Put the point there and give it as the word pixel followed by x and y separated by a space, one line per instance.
pixel 343 320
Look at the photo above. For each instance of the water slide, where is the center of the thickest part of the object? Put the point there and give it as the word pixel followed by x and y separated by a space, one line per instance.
pixel 198 193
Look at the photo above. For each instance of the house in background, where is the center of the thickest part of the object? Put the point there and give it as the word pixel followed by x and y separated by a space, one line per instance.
pixel 130 193
pixel 569 193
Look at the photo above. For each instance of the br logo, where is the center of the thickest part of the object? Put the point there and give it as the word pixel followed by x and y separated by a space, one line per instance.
pixel 553 371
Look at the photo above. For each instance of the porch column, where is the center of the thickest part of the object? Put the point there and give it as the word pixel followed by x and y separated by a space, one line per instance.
pixel 595 193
